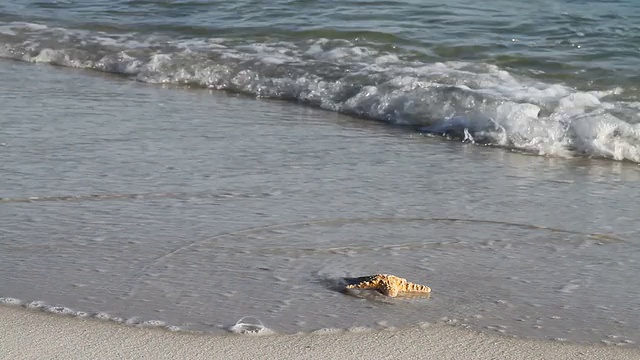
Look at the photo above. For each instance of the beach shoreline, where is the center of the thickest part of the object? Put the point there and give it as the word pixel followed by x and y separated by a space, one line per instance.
pixel 172 168
pixel 31 334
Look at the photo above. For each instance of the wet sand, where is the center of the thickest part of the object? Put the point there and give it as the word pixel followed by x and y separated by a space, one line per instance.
pixel 28 334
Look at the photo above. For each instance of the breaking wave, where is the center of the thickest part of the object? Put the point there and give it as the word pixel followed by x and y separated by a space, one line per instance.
pixel 474 102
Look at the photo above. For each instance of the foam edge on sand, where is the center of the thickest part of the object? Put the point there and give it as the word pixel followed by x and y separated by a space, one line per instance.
pixel 28 334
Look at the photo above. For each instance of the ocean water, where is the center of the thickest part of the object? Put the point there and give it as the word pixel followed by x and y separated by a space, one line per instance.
pixel 192 163
pixel 542 76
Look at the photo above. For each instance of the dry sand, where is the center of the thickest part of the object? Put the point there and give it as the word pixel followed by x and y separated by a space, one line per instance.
pixel 28 334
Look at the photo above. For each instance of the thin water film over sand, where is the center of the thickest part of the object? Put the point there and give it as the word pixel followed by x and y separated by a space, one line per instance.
pixel 195 209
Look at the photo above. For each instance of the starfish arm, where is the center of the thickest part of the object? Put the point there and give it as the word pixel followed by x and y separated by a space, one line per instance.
pixel 411 287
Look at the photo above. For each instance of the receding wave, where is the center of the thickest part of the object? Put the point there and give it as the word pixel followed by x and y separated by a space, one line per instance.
pixel 62 310
pixel 473 102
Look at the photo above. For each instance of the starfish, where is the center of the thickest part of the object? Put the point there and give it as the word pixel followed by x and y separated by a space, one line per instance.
pixel 389 285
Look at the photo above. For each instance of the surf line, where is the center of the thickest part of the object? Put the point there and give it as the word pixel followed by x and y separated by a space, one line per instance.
pixel 608 238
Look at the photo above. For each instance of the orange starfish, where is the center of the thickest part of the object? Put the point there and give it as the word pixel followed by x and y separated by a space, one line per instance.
pixel 389 285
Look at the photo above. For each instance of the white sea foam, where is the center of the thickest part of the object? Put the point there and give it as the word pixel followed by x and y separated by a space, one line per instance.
pixel 250 325
pixel 327 331
pixel 247 325
pixel 62 310
pixel 153 323
pixel 10 301
pixel 475 102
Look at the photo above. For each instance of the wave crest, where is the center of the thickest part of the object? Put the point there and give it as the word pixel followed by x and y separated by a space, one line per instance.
pixel 474 102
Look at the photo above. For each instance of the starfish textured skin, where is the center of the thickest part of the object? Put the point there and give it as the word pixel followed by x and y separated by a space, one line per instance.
pixel 389 285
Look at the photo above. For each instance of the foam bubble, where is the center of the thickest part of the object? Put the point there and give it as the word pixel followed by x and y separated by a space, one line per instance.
pixel 359 329
pixel 130 321
pixel 327 331
pixel 36 305
pixel 102 316
pixel 10 301
pixel 61 310
pixel 153 323
pixel 134 321
pixel 250 325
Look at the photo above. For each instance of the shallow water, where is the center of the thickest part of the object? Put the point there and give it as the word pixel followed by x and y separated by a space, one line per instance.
pixel 193 209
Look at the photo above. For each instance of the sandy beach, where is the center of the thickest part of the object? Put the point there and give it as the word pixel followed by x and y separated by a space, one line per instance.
pixel 193 163
pixel 28 334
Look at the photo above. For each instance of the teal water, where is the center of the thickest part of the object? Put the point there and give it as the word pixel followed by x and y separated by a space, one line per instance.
pixel 589 43
pixel 544 77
